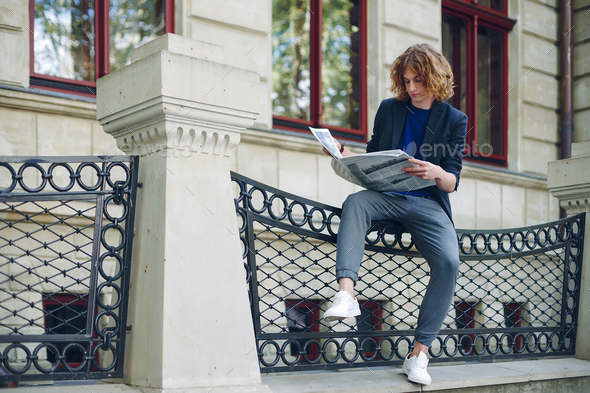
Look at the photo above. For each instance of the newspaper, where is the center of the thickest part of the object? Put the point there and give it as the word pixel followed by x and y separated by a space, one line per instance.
pixel 379 171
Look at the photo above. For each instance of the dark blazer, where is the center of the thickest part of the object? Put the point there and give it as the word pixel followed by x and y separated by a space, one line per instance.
pixel 443 140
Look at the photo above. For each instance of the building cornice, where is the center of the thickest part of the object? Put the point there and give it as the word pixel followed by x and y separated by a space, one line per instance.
pixel 305 144
pixel 476 172
pixel 37 101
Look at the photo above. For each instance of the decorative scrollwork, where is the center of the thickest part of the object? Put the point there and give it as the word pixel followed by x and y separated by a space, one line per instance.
pixel 517 291
pixel 68 223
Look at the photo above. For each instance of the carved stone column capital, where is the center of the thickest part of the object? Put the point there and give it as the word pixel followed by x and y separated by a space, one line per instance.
pixel 173 97
pixel 569 181
pixel 574 200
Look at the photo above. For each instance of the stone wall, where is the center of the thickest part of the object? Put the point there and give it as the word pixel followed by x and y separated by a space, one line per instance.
pixel 35 122
pixel 243 28
pixel 539 85
pixel 14 43
pixel 581 32
pixel 39 124
pixel 42 125
pixel 487 198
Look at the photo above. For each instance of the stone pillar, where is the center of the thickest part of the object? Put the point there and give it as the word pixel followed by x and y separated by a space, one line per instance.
pixel 182 111
pixel 569 181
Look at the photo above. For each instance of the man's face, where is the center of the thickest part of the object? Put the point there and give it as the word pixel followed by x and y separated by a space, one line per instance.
pixel 416 90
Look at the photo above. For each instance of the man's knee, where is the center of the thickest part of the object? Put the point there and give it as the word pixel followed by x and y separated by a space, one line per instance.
pixel 444 264
pixel 356 200
pixel 449 264
pixel 353 199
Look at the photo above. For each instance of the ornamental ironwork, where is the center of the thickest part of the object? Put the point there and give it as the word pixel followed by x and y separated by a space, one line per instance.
pixel 517 293
pixel 66 230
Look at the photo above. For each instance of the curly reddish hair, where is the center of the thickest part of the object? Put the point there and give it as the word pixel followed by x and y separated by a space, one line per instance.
pixel 434 70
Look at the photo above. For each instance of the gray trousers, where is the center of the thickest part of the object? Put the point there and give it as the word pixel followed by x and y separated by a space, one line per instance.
pixel 433 233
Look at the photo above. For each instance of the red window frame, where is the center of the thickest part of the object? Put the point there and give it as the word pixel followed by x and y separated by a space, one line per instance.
pixel 102 48
pixel 376 308
pixel 466 309
pixel 316 109
pixel 513 313
pixel 68 300
pixel 313 307
pixel 477 15
pixel 489 9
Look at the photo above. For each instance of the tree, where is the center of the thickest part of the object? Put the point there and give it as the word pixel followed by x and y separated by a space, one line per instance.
pixel 291 60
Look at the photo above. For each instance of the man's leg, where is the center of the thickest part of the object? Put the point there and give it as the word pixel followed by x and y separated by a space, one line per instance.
pixel 358 211
pixel 436 239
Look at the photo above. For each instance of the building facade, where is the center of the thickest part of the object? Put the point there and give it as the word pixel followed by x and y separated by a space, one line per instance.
pixel 320 64
pixel 511 93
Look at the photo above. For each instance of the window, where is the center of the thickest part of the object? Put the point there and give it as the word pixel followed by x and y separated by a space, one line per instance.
pixel 496 5
pixel 318 66
pixel 303 317
pixel 66 314
pixel 369 320
pixel 475 41
pixel 75 42
pixel 465 319
pixel 514 317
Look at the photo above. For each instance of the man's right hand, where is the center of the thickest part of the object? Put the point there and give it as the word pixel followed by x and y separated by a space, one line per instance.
pixel 338 145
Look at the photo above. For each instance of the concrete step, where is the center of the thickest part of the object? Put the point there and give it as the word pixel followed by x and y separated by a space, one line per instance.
pixel 546 375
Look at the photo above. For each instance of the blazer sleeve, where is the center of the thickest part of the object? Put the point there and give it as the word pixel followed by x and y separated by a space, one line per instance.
pixel 373 144
pixel 452 161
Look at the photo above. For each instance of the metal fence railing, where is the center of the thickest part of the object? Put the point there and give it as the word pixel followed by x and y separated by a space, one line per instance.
pixel 66 228
pixel 516 296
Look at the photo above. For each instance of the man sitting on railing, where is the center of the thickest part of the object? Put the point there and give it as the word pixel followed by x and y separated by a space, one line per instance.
pixel 420 127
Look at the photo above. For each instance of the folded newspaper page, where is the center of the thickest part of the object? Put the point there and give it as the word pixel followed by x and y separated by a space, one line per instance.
pixel 323 135
pixel 379 171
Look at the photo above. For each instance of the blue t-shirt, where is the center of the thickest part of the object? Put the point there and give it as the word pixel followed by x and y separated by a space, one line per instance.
pixel 412 138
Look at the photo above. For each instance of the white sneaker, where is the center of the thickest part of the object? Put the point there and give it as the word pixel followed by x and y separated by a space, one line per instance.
pixel 343 306
pixel 415 369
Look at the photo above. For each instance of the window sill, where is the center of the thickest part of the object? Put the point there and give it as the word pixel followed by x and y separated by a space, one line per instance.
pixel 46 101
pixel 292 140
pixel 495 174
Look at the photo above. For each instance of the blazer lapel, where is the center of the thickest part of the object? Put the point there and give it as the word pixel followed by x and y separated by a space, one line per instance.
pixel 400 110
pixel 433 122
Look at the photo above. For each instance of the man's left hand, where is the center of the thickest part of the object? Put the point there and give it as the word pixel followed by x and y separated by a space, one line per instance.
pixel 424 170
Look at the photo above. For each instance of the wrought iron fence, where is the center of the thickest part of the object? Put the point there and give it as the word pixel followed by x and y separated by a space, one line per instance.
pixel 66 228
pixel 516 295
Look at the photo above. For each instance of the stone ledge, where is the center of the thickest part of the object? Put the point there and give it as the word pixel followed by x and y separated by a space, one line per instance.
pixel 546 375
pixel 37 100
pixel 445 377
pixel 82 387
pixel 73 387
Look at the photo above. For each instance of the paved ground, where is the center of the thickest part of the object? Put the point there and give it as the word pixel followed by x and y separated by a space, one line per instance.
pixel 538 375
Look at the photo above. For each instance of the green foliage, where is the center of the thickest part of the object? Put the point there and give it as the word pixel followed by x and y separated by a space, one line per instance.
pixel 338 56
pixel 290 58
pixel 291 61
pixel 133 23
pixel 65 34
pixel 64 45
